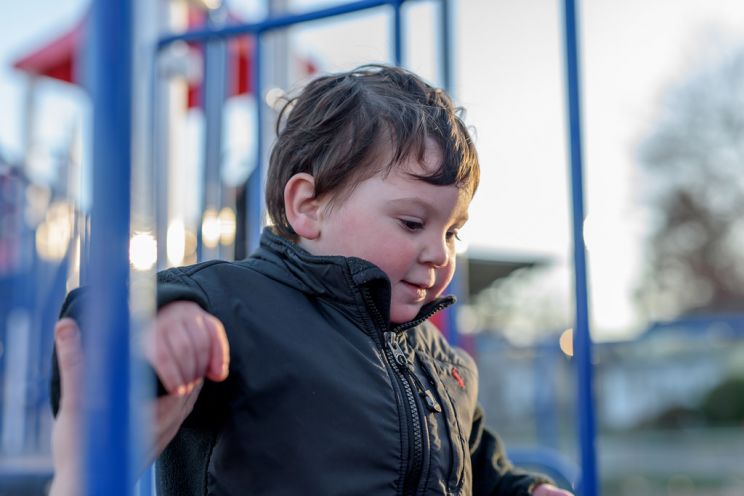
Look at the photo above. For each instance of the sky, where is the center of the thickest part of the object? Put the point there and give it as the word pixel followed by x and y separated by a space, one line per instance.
pixel 509 77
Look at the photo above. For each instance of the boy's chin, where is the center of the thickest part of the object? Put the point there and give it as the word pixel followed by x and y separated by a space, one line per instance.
pixel 400 314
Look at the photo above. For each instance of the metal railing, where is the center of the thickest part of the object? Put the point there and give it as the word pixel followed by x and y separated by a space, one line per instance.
pixel 109 427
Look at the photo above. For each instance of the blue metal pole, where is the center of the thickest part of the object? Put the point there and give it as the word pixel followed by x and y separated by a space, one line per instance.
pixel 158 163
pixel 256 181
pixel 445 29
pixel 460 289
pixel 459 282
pixel 582 337
pixel 274 23
pixel 106 323
pixel 397 33
pixel 214 92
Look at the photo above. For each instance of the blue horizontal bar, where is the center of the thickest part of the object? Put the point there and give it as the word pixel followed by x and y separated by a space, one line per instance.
pixel 273 23
pixel 548 461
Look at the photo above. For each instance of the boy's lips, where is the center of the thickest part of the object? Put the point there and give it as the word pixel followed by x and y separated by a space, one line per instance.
pixel 421 285
pixel 419 290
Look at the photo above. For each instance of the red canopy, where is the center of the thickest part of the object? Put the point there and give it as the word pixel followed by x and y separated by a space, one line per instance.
pixel 58 59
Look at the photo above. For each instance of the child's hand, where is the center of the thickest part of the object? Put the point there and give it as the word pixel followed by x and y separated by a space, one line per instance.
pixel 186 344
pixel 549 490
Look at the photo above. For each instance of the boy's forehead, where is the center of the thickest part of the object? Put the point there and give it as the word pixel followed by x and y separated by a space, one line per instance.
pixel 405 182
pixel 436 204
pixel 403 188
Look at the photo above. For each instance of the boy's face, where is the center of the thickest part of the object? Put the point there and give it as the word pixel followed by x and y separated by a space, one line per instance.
pixel 403 225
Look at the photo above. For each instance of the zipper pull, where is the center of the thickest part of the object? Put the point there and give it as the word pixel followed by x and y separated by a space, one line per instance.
pixel 392 343
pixel 431 402
pixel 425 393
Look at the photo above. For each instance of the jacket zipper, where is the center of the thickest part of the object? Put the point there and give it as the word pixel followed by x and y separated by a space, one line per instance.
pixel 415 429
pixel 405 375
pixel 391 341
pixel 413 420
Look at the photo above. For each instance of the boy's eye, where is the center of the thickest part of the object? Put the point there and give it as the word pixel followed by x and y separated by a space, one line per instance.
pixel 412 225
pixel 453 235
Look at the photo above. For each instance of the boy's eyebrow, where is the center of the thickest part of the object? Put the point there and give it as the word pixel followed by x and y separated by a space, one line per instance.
pixel 423 204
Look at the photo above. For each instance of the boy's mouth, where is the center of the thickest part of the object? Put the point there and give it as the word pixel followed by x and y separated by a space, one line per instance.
pixel 419 290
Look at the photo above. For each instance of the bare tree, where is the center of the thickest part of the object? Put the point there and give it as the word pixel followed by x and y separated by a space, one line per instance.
pixel 527 305
pixel 694 158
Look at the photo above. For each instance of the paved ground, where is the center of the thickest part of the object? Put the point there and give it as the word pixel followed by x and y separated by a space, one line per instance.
pixel 701 462
pixel 693 462
pixel 707 452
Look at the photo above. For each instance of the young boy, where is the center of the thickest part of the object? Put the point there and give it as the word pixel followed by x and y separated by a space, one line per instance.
pixel 337 384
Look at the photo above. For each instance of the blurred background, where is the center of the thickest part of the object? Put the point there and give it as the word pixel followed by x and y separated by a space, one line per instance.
pixel 663 108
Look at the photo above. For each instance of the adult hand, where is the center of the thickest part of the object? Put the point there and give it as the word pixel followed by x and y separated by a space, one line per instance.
pixel 549 490
pixel 67 449
pixel 184 345
pixel 66 445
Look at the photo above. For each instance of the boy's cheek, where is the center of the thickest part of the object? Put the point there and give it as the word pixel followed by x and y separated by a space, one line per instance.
pixel 444 277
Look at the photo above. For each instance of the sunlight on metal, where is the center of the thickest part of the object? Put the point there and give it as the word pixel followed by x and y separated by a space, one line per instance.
pixel 210 229
pixel 274 98
pixel 54 233
pixel 176 241
pixel 566 342
pixel 228 226
pixel 143 251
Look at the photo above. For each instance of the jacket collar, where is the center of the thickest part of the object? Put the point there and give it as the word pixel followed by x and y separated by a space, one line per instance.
pixel 341 279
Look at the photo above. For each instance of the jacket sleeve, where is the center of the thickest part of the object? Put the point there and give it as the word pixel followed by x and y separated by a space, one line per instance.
pixel 493 473
pixel 171 287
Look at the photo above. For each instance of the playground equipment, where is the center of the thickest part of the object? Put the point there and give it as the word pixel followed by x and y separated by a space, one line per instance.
pixel 110 423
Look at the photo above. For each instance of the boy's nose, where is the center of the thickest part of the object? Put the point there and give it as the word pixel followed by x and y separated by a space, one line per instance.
pixel 435 253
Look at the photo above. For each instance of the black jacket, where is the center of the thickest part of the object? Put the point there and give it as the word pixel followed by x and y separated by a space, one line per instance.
pixel 324 397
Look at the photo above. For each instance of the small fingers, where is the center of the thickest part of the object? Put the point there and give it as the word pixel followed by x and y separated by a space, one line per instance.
pixel 165 363
pixel 70 359
pixel 181 345
pixel 185 344
pixel 199 334
pixel 219 361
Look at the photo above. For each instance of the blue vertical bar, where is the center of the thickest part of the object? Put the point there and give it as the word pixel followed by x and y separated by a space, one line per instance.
pixel 446 45
pixel 460 290
pixel 159 163
pixel 458 285
pixel 397 33
pixel 106 322
pixel 214 93
pixel 582 338
pixel 255 182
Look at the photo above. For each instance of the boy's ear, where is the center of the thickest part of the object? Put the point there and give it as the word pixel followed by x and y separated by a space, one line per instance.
pixel 301 205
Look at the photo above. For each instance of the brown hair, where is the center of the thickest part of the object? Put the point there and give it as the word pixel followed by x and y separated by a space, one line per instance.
pixel 339 125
